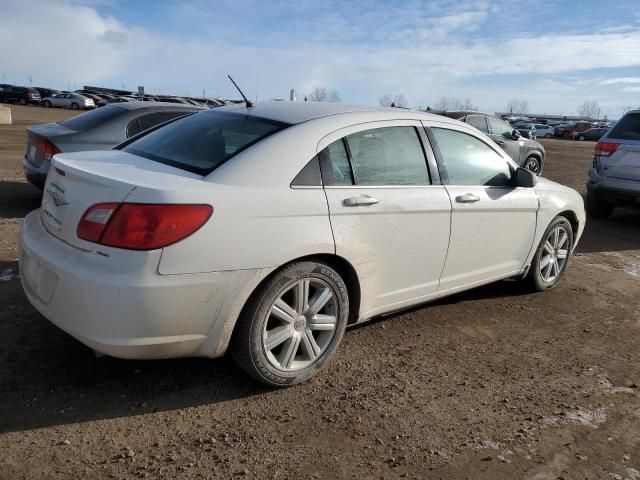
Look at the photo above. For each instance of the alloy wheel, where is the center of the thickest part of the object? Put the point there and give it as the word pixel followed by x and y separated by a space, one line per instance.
pixel 532 165
pixel 554 254
pixel 300 324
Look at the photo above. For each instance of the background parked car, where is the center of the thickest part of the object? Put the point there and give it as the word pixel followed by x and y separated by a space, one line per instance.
pixel 590 134
pixel 567 130
pixel 525 152
pixel 545 131
pixel 99 129
pixel 74 101
pixel 614 179
pixel 98 101
pixel 47 92
pixel 23 95
pixel 527 130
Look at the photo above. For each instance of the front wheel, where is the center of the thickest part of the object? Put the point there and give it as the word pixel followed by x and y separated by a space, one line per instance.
pixel 547 135
pixel 552 256
pixel 532 164
pixel 292 325
pixel 23 101
pixel 75 106
pixel 47 104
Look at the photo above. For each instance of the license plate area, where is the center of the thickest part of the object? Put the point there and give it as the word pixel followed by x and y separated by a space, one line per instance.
pixel 40 280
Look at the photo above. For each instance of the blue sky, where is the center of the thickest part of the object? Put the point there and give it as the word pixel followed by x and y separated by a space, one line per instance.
pixel 553 54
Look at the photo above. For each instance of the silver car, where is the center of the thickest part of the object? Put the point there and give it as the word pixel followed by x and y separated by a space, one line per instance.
pixel 99 129
pixel 75 101
pixel 614 180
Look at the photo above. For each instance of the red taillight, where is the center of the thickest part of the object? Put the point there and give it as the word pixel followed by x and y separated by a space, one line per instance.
pixel 605 149
pixel 47 148
pixel 138 226
pixel 94 221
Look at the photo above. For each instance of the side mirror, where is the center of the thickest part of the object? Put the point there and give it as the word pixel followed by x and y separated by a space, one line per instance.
pixel 515 134
pixel 525 178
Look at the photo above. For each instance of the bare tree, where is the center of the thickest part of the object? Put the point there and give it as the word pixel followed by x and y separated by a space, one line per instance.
pixel 395 100
pixel 517 107
pixel 454 103
pixel 589 109
pixel 318 94
pixel 333 96
pixel 321 94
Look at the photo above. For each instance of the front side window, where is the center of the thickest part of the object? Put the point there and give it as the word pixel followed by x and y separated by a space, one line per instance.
pixel 467 160
pixel 200 143
pixel 388 156
pixel 477 121
pixel 499 127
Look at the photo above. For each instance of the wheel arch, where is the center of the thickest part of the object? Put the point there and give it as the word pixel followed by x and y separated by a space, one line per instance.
pixel 573 220
pixel 338 263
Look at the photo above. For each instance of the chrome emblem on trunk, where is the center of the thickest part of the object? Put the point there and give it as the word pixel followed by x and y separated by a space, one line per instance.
pixel 57 195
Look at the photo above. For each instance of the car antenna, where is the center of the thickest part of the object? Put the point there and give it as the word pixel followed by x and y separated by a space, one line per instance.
pixel 248 102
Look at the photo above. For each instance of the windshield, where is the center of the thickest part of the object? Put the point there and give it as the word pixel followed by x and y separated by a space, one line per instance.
pixel 200 143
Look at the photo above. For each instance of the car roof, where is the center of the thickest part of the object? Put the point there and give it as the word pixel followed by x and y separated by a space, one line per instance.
pixel 298 112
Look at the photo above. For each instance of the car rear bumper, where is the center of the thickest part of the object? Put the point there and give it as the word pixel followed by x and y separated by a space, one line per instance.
pixel 123 307
pixel 612 190
pixel 35 175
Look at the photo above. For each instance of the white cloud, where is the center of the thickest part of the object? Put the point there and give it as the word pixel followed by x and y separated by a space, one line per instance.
pixel 621 80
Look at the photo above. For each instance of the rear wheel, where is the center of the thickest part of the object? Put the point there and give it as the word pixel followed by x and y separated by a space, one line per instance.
pixel 292 325
pixel 47 103
pixel 75 106
pixel 532 164
pixel 552 255
pixel 23 101
pixel 547 135
pixel 597 208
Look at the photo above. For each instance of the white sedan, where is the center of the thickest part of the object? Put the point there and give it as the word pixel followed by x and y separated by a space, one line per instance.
pixel 267 230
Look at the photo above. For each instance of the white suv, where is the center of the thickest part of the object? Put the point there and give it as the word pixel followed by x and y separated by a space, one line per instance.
pixel 614 179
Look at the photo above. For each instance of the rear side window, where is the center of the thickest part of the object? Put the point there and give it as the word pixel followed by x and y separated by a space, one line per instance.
pixel 89 120
pixel 628 128
pixel 200 143
pixel 334 163
pixel 388 156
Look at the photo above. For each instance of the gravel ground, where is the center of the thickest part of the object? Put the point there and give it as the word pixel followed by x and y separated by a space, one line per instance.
pixel 495 383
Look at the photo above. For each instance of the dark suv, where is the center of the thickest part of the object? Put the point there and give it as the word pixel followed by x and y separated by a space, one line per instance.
pixel 23 95
pixel 525 152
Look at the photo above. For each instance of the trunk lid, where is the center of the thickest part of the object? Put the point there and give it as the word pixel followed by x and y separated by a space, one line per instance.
pixel 77 181
pixel 48 131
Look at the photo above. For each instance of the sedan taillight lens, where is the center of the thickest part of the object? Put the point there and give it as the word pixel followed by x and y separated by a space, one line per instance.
pixel 605 149
pixel 47 148
pixel 141 226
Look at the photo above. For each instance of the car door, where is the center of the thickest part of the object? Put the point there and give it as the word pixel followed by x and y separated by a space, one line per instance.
pixel 501 133
pixel 493 222
pixel 390 219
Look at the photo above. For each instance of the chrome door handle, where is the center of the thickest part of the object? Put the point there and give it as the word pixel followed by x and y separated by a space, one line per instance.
pixel 359 201
pixel 467 198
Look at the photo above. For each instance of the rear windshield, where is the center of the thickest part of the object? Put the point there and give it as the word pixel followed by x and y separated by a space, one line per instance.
pixel 199 143
pixel 628 128
pixel 93 118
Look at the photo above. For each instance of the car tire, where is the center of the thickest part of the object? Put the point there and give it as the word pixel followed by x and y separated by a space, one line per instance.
pixel 581 138
pixel 23 101
pixel 75 106
pixel 566 135
pixel 552 256
pixel 302 342
pixel 533 165
pixel 47 104
pixel 597 208
pixel 547 135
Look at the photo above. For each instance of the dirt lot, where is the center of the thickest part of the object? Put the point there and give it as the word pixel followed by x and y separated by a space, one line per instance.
pixel 496 383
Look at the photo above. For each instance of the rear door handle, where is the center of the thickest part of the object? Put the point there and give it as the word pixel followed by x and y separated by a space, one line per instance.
pixel 359 201
pixel 467 198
